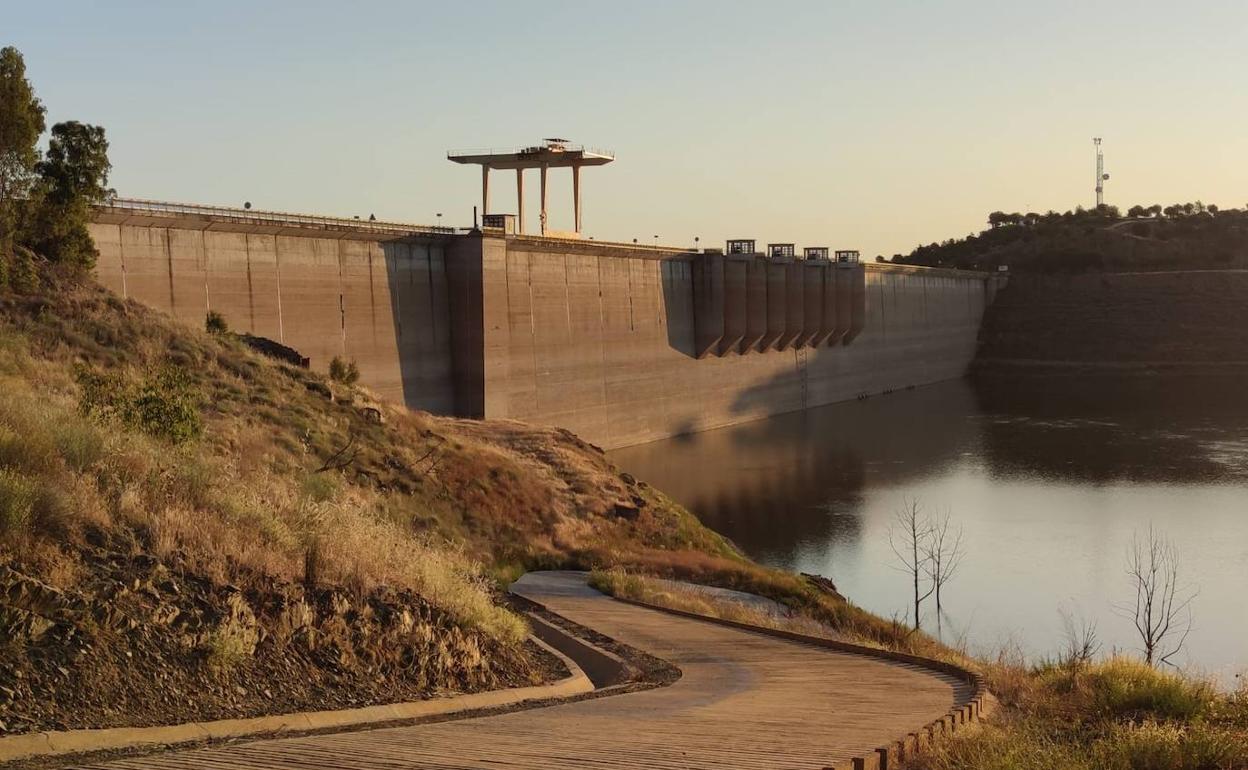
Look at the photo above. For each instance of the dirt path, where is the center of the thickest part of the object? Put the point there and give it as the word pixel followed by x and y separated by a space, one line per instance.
pixel 745 700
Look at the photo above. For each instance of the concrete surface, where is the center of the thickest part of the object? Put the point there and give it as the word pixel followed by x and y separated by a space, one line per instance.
pixel 745 699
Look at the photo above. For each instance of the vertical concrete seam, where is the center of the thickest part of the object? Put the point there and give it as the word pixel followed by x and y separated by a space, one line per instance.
pixel 372 292
pixel 342 307
pixel 203 253
pixel 251 297
pixel 277 273
pixel 567 297
pixel 173 307
pixel 121 257
pixel 528 279
pixel 602 348
pixel 392 282
pixel 631 327
pixel 433 316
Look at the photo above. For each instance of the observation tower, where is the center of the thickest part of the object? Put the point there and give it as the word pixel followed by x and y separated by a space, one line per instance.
pixel 552 153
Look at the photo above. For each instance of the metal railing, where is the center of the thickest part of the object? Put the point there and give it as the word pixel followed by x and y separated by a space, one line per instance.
pixel 531 149
pixel 275 217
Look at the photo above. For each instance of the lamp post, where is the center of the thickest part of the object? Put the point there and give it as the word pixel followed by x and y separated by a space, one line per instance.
pixel 656 241
pixel 696 241
pixel 439 220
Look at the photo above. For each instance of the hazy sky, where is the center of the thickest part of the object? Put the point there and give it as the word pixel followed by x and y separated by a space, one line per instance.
pixel 871 125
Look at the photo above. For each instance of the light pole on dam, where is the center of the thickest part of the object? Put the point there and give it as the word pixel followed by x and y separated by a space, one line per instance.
pixel 553 153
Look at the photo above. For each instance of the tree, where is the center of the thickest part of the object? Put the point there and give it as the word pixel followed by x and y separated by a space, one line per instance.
pixel 908 536
pixel 943 550
pixel 1137 211
pixel 21 124
pixel 73 178
pixel 1162 612
pixel 1155 209
pixel 996 219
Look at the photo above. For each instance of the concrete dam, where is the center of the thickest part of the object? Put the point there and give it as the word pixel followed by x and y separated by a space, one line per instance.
pixel 619 343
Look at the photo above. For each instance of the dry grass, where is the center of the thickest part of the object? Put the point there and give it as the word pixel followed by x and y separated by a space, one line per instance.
pixel 231 505
pixel 1116 714
pixel 690 598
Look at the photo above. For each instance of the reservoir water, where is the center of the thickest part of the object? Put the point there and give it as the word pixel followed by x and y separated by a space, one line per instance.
pixel 1048 477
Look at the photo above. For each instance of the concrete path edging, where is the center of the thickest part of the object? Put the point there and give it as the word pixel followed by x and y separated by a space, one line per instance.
pixel 62 742
pixel 889 757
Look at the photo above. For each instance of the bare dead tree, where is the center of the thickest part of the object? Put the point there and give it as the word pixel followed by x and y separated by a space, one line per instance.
pixel 908 536
pixel 341 458
pixel 944 549
pixel 1081 641
pixel 1162 611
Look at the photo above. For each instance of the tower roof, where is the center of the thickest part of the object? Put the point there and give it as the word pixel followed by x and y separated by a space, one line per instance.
pixel 552 153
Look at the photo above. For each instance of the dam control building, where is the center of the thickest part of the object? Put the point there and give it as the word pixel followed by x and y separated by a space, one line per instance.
pixel 620 343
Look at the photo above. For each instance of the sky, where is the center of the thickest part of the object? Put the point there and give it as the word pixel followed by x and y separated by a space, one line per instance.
pixel 869 125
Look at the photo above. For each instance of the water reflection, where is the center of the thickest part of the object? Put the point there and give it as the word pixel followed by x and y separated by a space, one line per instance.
pixel 1049 476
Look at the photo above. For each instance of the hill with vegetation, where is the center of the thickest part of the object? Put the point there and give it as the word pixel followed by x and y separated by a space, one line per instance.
pixel 1177 237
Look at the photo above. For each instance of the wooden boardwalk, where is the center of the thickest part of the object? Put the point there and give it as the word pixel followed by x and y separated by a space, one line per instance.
pixel 745 700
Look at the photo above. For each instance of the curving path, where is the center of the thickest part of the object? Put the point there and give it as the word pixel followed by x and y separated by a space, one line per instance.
pixel 745 700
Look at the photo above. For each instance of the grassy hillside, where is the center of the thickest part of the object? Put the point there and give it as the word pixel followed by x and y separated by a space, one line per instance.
pixel 1179 237
pixel 182 517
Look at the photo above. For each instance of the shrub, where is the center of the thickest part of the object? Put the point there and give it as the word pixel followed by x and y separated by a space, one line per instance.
pixel 24 449
pixel 17 499
pixel 23 275
pixel 79 442
pixel 344 372
pixel 1127 688
pixel 229 645
pixel 214 323
pixel 165 404
pixel 319 487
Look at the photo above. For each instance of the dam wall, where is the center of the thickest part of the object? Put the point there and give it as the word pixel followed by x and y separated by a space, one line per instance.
pixel 1168 319
pixel 337 288
pixel 619 344
pixel 624 345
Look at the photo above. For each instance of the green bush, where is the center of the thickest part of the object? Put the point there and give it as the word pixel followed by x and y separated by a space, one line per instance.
pixel 165 404
pixel 214 323
pixel 344 372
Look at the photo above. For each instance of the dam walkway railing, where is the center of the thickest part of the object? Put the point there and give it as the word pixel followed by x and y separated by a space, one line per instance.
pixel 257 216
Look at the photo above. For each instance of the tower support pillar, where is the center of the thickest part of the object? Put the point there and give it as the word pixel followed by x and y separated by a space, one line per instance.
pixel 520 200
pixel 576 196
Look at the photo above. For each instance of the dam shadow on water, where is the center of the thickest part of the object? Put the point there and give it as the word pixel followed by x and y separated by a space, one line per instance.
pixel 1049 476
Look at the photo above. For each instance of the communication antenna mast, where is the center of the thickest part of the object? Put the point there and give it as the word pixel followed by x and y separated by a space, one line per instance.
pixel 1101 176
